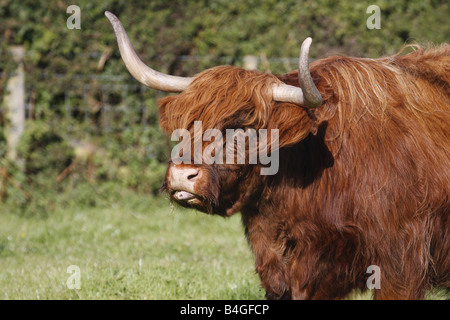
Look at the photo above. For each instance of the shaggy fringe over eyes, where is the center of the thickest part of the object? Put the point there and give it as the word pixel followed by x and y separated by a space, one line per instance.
pixel 221 97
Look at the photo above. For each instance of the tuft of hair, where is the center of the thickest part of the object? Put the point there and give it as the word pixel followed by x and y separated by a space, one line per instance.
pixel 222 97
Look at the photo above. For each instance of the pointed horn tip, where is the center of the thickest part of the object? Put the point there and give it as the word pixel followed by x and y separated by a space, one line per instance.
pixel 306 43
pixel 117 25
pixel 111 17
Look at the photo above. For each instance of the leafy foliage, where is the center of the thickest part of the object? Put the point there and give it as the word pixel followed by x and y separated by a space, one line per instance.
pixel 43 149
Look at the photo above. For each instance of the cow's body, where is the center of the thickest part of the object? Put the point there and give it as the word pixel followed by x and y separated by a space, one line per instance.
pixel 363 181
pixel 367 183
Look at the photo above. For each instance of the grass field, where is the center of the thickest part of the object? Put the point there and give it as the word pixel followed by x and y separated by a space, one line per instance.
pixel 142 248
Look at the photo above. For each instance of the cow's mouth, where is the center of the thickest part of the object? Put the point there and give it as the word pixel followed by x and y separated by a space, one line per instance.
pixel 185 198
pixel 183 195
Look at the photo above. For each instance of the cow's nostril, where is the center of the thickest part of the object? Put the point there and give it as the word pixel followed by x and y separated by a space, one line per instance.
pixel 192 176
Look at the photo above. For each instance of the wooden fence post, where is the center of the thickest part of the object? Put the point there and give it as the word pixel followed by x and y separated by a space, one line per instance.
pixel 15 104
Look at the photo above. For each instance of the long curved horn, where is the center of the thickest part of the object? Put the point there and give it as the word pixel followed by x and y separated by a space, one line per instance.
pixel 144 74
pixel 307 95
pixel 313 98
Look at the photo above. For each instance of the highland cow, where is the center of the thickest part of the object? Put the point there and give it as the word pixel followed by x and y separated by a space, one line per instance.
pixel 364 167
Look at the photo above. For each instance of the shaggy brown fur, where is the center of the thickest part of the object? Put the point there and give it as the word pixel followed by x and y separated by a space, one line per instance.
pixel 363 180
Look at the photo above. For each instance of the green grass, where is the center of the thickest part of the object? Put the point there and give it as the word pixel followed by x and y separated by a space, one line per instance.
pixel 142 249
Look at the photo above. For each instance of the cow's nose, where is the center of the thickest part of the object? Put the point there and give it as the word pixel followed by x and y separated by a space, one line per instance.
pixel 187 174
pixel 183 178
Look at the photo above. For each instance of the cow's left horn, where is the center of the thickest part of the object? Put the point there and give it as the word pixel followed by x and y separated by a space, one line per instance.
pixel 307 95
pixel 144 74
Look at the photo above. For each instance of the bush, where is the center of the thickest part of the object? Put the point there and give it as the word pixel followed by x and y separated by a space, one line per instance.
pixel 98 177
pixel 43 150
pixel 32 187
pixel 134 159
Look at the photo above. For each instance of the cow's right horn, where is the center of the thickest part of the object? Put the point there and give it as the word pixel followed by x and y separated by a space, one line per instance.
pixel 144 74
pixel 313 98
pixel 307 95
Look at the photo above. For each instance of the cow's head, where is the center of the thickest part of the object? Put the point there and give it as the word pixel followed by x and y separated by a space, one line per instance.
pixel 225 98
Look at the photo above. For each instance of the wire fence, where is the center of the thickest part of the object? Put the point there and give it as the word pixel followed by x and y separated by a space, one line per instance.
pixel 109 105
pixel 94 104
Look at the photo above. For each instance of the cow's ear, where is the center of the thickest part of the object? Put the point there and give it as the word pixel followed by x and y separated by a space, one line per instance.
pixel 293 123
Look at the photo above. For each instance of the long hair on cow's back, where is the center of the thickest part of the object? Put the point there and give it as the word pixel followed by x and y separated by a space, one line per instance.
pixel 388 123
